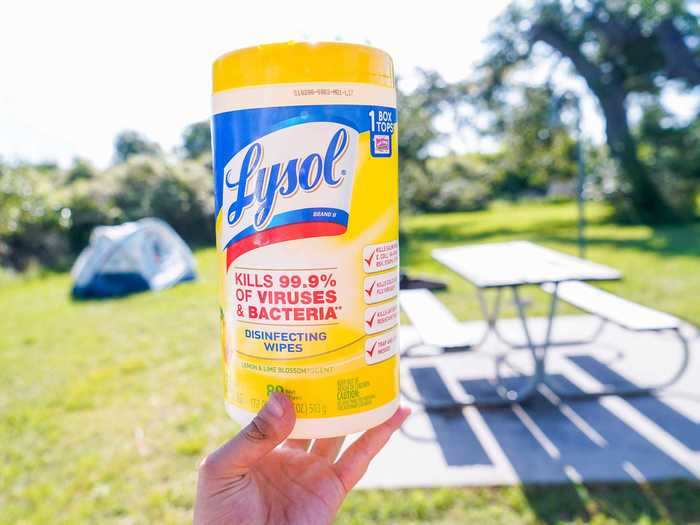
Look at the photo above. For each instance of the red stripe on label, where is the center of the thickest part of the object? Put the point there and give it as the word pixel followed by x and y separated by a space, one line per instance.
pixel 288 232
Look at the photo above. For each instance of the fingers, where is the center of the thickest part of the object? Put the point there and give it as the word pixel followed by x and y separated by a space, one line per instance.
pixel 353 464
pixel 298 444
pixel 328 448
pixel 269 428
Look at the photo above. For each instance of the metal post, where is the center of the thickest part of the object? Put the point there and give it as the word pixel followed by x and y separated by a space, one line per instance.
pixel 570 99
pixel 580 185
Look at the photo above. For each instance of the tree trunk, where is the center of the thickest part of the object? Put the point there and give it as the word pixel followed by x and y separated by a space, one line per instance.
pixel 647 201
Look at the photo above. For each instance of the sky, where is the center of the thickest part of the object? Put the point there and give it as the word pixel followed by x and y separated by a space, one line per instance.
pixel 75 73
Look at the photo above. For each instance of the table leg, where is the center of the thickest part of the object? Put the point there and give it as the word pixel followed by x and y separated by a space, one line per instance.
pixel 538 352
pixel 503 397
pixel 489 315
pixel 492 326
pixel 491 318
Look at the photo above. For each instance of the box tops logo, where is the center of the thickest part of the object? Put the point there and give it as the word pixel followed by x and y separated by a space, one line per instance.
pixel 293 183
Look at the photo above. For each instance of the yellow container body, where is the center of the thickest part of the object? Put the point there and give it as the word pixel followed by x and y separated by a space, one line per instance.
pixel 306 183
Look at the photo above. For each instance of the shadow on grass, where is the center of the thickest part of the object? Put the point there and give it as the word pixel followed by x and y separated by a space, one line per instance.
pixel 667 502
pixel 669 241
pixel 446 232
pixel 124 296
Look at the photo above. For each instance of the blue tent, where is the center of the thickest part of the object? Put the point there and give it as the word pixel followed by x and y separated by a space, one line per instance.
pixel 132 257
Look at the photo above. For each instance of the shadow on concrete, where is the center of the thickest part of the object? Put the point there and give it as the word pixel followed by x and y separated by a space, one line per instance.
pixel 546 442
pixel 672 421
pixel 458 443
pixel 582 441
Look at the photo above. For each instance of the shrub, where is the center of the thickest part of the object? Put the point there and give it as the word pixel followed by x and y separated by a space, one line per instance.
pixel 32 228
pixel 452 183
pixel 46 215
pixel 180 194
pixel 88 205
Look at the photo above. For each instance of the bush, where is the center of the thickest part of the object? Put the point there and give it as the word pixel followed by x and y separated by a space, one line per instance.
pixel 32 227
pixel 180 194
pixel 86 207
pixel 671 151
pixel 445 184
pixel 47 215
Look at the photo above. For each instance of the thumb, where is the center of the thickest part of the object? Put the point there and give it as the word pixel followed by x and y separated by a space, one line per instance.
pixel 268 429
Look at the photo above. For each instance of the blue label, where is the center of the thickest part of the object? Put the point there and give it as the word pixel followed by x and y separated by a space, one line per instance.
pixel 234 131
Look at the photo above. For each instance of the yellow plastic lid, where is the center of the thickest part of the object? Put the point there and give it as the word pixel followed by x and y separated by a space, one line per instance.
pixel 303 62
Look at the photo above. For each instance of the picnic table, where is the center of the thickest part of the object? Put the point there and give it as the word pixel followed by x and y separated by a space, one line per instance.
pixel 511 266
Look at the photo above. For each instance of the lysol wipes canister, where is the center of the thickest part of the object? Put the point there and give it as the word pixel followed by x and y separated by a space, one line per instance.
pixel 306 190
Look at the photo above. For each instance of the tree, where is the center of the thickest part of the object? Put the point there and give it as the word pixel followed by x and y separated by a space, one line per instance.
pixel 31 228
pixel 418 110
pixel 129 143
pixel 620 48
pixel 181 194
pixel 671 149
pixel 196 139
pixel 81 169
pixel 534 153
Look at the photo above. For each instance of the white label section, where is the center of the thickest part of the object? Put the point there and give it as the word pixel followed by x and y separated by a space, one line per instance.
pixel 382 347
pixel 380 318
pixel 306 94
pixel 294 169
pixel 379 257
pixel 378 288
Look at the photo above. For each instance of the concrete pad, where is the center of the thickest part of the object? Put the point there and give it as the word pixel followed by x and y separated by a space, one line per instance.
pixel 548 440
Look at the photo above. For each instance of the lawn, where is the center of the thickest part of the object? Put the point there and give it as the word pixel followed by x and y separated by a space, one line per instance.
pixel 107 407
pixel 661 266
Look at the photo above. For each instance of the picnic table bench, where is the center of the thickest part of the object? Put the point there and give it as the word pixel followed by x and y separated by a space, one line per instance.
pixel 510 266
pixel 434 323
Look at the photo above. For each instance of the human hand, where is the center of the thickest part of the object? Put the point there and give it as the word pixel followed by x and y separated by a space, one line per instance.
pixel 249 480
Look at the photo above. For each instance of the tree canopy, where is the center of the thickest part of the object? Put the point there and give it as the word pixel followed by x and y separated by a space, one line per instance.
pixel 620 48
pixel 196 139
pixel 129 143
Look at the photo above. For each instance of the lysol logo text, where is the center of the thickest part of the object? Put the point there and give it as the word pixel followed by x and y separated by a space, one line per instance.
pixel 292 183
pixel 258 185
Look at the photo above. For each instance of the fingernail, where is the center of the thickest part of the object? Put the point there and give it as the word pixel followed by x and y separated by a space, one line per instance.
pixel 274 406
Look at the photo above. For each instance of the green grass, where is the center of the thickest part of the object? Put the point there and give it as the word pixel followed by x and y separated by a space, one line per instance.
pixel 661 266
pixel 107 407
